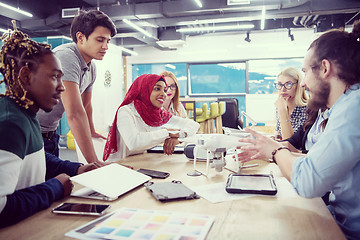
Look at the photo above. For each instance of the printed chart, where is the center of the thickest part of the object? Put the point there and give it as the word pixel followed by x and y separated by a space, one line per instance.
pixel 130 223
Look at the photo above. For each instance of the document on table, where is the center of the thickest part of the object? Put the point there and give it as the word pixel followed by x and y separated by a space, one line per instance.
pixel 216 193
pixel 133 223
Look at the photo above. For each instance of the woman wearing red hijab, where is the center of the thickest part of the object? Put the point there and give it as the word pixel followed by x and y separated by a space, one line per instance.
pixel 140 123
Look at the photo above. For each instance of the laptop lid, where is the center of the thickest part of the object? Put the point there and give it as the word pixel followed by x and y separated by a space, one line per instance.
pixel 111 180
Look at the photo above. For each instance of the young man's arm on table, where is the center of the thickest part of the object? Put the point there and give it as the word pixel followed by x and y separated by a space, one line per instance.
pixel 27 201
pixel 78 120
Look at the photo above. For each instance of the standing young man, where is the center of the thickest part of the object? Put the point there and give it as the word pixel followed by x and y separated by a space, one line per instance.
pixel 91 32
pixel 332 76
pixel 30 180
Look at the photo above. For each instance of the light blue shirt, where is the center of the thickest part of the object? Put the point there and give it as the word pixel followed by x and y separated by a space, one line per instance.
pixel 333 164
pixel 316 129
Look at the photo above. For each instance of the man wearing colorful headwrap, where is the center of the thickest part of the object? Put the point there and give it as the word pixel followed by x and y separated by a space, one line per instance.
pixel 140 123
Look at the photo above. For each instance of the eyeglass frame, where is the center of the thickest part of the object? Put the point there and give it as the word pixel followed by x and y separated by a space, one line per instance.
pixel 172 87
pixel 279 86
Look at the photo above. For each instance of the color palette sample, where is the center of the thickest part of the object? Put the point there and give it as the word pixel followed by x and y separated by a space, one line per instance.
pixel 130 223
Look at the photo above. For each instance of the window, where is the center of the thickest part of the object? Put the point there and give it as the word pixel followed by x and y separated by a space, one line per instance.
pixel 178 69
pixel 221 78
pixel 263 73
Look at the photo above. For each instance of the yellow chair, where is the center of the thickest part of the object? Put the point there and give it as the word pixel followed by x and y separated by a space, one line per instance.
pixel 70 141
pixel 218 119
pixel 214 113
pixel 202 119
pixel 189 107
pixel 198 111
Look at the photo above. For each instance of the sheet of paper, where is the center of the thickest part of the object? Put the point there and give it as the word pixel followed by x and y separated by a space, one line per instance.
pixel 216 193
pixel 130 223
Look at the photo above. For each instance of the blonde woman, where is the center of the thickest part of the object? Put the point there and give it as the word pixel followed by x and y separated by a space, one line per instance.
pixel 172 103
pixel 291 103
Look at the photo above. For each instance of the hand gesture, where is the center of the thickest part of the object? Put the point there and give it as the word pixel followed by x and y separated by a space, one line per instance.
pixel 259 147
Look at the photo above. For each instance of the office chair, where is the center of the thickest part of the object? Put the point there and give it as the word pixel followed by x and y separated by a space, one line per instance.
pixel 231 117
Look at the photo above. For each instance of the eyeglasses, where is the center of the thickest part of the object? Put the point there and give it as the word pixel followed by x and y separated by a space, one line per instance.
pixel 287 85
pixel 172 87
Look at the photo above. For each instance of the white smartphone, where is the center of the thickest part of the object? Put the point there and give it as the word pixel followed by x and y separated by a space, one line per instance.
pixel 81 209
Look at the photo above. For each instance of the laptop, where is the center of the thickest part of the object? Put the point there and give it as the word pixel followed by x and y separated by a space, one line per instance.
pixel 109 182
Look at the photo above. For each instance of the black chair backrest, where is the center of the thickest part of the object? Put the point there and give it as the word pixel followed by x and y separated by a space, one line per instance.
pixel 231 116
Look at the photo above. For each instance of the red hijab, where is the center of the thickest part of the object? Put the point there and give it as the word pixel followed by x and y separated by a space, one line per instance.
pixel 139 93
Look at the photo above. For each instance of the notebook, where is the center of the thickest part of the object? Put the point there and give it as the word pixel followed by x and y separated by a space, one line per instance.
pixel 108 182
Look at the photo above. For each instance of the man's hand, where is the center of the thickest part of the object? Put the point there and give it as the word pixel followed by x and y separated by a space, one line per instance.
pixel 259 147
pixel 169 145
pixel 64 179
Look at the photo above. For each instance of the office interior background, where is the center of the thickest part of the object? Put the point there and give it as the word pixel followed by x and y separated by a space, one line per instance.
pixel 216 48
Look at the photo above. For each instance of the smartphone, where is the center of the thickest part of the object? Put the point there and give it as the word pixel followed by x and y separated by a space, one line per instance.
pixel 154 173
pixel 81 209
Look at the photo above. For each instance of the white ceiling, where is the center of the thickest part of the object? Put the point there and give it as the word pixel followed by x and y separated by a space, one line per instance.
pixel 162 18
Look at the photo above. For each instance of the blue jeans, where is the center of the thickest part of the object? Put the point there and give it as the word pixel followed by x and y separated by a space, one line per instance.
pixel 51 144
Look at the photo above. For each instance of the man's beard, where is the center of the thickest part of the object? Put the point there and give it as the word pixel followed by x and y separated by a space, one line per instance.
pixel 320 95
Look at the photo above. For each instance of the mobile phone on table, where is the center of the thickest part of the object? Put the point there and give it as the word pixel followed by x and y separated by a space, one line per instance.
pixel 154 173
pixel 81 209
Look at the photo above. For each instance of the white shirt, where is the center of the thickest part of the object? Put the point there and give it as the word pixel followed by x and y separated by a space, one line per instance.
pixel 182 112
pixel 134 136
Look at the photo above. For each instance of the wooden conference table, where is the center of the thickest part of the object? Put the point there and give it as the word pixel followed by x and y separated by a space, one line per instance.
pixel 256 217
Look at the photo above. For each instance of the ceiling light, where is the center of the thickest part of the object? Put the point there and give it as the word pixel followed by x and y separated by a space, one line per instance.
pixel 198 3
pixel 237 2
pixel 128 51
pixel 263 11
pixel 215 28
pixel 64 37
pixel 133 25
pixel 123 49
pixel 216 20
pixel 3 30
pixel 247 37
pixel 16 9
pixel 171 43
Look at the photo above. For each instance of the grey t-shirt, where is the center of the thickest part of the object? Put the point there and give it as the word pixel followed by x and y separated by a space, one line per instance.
pixel 75 70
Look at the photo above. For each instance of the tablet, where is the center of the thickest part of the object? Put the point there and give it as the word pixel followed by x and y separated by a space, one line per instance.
pixel 159 149
pixel 251 184
pixel 81 209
